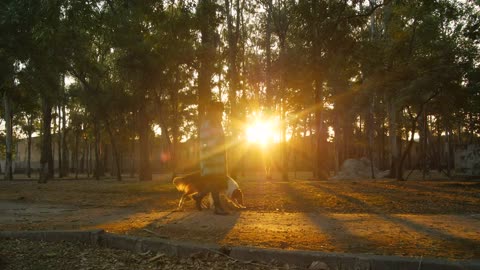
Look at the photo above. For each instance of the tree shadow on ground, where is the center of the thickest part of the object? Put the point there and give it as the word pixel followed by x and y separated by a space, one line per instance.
pixel 337 232
pixel 453 242
pixel 458 189
pixel 191 225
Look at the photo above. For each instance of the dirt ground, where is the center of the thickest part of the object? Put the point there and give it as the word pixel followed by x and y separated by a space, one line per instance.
pixel 23 254
pixel 437 218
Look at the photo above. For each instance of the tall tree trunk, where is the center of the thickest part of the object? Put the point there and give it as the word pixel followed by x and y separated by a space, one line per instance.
pixel 407 150
pixel 115 152
pixel 370 122
pixel 46 159
pixel 83 164
pixel 98 165
pixel 144 168
pixel 268 52
pixel 423 140
pixel 173 145
pixel 283 95
pixel 29 146
pixel 86 157
pixel 414 121
pixel 336 143
pixel 65 164
pixel 77 135
pixel 132 159
pixel 268 81
pixel 104 156
pixel 175 149
pixel 382 145
pixel 320 168
pixel 449 165
pixel 207 14
pixel 233 77
pixel 440 150
pixel 9 136
pixel 59 140
pixel 281 29
pixel 89 159
pixel 392 135
pixel 321 150
pixel 284 142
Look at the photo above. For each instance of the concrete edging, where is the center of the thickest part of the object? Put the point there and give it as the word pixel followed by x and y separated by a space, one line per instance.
pixel 343 261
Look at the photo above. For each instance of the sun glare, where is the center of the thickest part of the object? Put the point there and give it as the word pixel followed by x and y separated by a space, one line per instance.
pixel 262 132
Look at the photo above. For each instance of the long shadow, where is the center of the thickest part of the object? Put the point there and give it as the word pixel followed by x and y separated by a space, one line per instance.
pixel 193 225
pixel 345 241
pixel 471 190
pixel 399 193
pixel 456 241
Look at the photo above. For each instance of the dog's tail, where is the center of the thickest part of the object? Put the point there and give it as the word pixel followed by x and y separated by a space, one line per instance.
pixel 182 183
pixel 179 183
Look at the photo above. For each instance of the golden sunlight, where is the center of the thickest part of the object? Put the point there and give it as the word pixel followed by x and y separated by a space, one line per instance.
pixel 262 131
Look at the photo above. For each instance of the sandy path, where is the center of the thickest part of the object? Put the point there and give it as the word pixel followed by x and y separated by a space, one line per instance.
pixel 430 219
pixel 399 234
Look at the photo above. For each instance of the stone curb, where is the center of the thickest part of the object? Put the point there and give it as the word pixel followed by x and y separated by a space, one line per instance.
pixel 334 261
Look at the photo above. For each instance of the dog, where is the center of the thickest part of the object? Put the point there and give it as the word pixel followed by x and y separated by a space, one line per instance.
pixel 193 183
pixel 233 194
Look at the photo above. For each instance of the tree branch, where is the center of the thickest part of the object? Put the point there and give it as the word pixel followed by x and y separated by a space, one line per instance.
pixel 366 14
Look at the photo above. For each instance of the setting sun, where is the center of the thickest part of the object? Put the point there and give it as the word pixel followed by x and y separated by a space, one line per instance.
pixel 262 132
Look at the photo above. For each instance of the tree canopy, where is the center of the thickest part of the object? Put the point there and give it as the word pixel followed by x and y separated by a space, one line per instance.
pixel 360 78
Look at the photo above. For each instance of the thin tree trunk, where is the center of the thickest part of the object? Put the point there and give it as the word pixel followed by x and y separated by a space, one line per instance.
pixel 382 145
pixel 320 153
pixel 370 119
pixel 83 164
pixel 407 150
pixel 104 155
pixel 414 121
pixel 336 143
pixel 132 157
pixel 174 149
pixel 97 170
pixel 268 82
pixel 89 159
pixel 449 165
pixel 424 144
pixel 144 173
pixel 233 77
pixel 46 159
pixel 284 142
pixel 115 153
pixel 29 148
pixel 370 122
pixel 268 52
pixel 59 140
pixel 9 137
pixel 392 135
pixel 65 164
pixel 76 155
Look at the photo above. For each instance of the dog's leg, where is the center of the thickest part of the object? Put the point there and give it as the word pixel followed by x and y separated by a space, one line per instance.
pixel 218 205
pixel 181 202
pixel 210 202
pixel 235 202
pixel 198 199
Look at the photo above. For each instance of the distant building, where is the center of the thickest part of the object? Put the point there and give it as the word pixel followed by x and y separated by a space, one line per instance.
pixel 467 160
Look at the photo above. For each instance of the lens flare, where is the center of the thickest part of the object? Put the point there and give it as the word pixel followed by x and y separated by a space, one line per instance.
pixel 262 132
